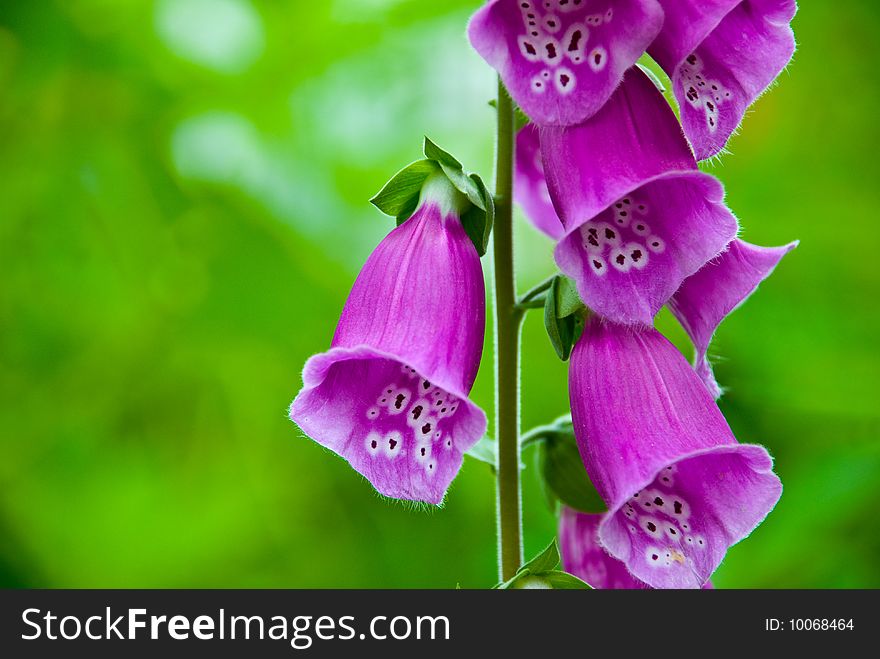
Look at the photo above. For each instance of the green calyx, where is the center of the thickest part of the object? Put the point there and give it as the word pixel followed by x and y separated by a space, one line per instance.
pixel 542 572
pixel 564 315
pixel 442 179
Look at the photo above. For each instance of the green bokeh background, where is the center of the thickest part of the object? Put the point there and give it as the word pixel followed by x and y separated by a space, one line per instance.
pixel 183 208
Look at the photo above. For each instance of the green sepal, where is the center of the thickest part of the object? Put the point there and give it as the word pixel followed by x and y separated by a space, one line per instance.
pixel 485 450
pixel 400 196
pixel 545 561
pixel 480 217
pixel 543 572
pixel 563 476
pixel 559 580
pixel 653 77
pixel 563 316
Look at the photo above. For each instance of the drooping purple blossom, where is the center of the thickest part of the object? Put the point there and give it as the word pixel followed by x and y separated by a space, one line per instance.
pixel 391 394
pixel 721 55
pixel 561 59
pixel 639 217
pixel 680 489
pixel 708 296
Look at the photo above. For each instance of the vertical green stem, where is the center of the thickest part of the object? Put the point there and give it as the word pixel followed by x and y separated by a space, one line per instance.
pixel 507 326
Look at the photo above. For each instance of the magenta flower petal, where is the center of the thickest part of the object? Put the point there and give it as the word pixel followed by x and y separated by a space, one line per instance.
pixel 583 557
pixel 680 490
pixel 530 187
pixel 721 55
pixel 639 217
pixel 562 59
pixel 391 395
pixel 708 296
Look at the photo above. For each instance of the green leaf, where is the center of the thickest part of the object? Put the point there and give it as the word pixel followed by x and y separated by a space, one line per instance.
pixel 564 476
pixel 485 450
pixel 562 320
pixel 400 196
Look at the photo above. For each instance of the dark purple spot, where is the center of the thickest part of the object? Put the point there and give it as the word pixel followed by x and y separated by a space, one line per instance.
pixel 373 444
pixel 609 234
pixel 597 265
pixel 658 501
pixel 551 50
pixel 574 44
pixel 564 80
pixel 398 402
pixel 651 526
pixel 677 507
pixel 636 255
pixel 426 428
pixel 621 259
pixel 417 412
pixel 392 443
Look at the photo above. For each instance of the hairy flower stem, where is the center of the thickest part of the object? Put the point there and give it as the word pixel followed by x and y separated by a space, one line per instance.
pixel 508 318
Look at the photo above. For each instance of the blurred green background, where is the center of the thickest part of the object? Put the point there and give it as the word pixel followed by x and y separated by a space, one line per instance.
pixel 183 208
